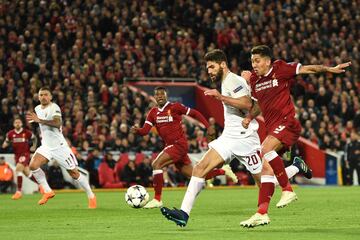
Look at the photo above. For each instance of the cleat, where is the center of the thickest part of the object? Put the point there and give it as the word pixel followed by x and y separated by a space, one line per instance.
pixel 209 183
pixel 303 167
pixel 41 189
pixel 46 197
pixel 17 195
pixel 154 204
pixel 178 216
pixel 256 220
pixel 287 197
pixel 230 173
pixel 92 202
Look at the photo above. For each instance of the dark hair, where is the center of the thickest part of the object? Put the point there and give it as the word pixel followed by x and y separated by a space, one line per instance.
pixel 262 50
pixel 45 89
pixel 216 55
pixel 160 88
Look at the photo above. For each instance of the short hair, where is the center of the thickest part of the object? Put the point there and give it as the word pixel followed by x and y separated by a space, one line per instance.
pixel 216 55
pixel 45 89
pixel 160 88
pixel 262 50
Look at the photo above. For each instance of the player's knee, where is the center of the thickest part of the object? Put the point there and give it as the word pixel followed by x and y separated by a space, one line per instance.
pixel 74 174
pixel 155 164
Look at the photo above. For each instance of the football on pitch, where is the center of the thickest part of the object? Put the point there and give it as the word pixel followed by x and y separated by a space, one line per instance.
pixel 136 196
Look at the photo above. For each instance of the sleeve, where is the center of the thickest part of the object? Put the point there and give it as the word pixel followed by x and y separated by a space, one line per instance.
pixel 148 124
pixel 198 116
pixel 238 87
pixel 8 137
pixel 288 70
pixel 56 111
pixel 181 109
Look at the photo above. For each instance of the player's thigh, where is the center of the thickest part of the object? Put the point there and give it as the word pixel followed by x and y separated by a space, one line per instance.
pixel 19 167
pixel 270 143
pixel 41 156
pixel 162 160
pixel 209 161
pixel 64 157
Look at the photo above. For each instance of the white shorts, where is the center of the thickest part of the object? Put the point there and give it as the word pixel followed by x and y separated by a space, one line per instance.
pixel 63 155
pixel 246 150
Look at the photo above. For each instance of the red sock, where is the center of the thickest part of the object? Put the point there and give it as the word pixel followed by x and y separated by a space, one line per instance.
pixel 19 183
pixel 158 182
pixel 278 167
pixel 34 179
pixel 265 193
pixel 214 173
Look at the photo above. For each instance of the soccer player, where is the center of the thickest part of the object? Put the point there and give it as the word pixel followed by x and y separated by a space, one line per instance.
pixel 167 120
pixel 270 88
pixel 235 142
pixel 20 139
pixel 53 147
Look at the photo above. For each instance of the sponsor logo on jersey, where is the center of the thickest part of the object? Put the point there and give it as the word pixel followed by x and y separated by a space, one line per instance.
pixel 238 89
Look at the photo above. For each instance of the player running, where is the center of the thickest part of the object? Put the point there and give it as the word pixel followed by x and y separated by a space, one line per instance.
pixel 167 120
pixel 270 88
pixel 54 147
pixel 236 142
pixel 20 139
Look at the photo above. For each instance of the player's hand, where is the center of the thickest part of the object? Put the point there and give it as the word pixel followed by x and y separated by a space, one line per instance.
pixel 245 122
pixel 213 93
pixel 32 117
pixel 339 68
pixel 246 75
pixel 134 129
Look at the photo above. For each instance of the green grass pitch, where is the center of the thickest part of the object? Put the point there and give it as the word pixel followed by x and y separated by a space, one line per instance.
pixel 320 213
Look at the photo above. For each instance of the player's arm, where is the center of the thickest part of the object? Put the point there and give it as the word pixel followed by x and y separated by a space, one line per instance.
pixel 55 122
pixel 253 113
pixel 309 69
pixel 34 143
pixel 6 143
pixel 198 116
pixel 145 129
pixel 242 103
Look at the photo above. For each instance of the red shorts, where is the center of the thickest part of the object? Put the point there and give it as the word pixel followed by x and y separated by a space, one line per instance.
pixel 179 153
pixel 24 159
pixel 288 132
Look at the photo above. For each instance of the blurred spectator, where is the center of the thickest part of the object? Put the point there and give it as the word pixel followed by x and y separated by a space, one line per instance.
pixel 6 176
pixel 128 174
pixel 352 156
pixel 144 171
pixel 55 176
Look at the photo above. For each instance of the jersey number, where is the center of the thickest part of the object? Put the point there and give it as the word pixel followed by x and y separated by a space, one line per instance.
pixel 252 160
pixel 279 129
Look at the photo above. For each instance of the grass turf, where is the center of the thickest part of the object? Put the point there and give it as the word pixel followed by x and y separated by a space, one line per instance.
pixel 320 213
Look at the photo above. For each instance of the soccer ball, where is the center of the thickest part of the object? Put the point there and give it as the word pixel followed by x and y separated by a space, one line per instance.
pixel 136 196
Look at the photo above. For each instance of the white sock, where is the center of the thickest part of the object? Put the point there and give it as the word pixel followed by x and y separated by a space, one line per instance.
pixel 195 186
pixel 40 177
pixel 84 183
pixel 290 172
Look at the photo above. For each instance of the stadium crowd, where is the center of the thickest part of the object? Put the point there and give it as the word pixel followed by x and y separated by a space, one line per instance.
pixel 85 50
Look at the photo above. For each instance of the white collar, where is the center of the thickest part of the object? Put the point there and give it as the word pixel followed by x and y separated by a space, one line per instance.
pixel 162 109
pixel 268 73
pixel 17 132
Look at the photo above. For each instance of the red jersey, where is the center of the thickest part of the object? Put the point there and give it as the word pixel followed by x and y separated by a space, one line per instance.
pixel 272 91
pixel 20 141
pixel 167 121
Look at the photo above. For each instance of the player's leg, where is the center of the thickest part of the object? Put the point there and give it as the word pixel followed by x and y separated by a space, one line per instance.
pixel 162 160
pixel 84 184
pixel 19 177
pixel 39 158
pixel 209 161
pixel 67 160
pixel 266 191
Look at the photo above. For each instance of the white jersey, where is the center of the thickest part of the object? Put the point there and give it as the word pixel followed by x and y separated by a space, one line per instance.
pixel 51 137
pixel 235 86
